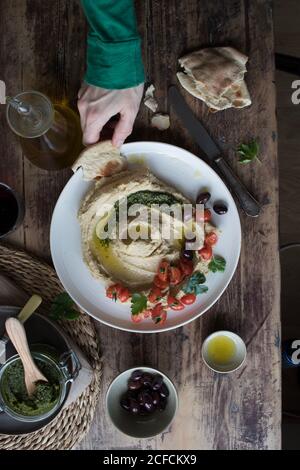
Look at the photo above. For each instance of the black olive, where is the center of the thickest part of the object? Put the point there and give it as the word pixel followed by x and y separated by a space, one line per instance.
pixel 146 392
pixel 155 398
pixel 147 379
pixel 131 393
pixel 149 407
pixel 141 396
pixel 134 406
pixel 203 198
pixel 188 254
pixel 134 384
pixel 157 382
pixel 163 391
pixel 136 374
pixel 125 402
pixel 220 209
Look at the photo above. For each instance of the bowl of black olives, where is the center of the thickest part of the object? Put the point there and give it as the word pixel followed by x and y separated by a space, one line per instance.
pixel 142 402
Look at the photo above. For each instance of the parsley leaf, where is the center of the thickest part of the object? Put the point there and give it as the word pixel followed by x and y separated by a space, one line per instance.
pixel 193 285
pixel 248 152
pixel 217 264
pixel 200 289
pixel 62 308
pixel 138 303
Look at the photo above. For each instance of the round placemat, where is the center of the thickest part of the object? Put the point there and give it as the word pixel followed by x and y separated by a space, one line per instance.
pixel 73 422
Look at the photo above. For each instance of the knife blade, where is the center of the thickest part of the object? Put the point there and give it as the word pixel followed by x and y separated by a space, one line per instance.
pixel 29 308
pixel 247 202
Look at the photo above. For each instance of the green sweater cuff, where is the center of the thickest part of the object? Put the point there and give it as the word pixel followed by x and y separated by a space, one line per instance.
pixel 114 65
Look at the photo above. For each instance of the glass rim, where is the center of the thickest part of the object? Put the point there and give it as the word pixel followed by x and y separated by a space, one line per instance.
pixel 63 388
pixel 34 92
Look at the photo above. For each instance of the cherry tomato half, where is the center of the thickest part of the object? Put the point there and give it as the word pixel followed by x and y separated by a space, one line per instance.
pixel 205 217
pixel 161 319
pixel 205 252
pixel 211 238
pixel 137 318
pixel 163 271
pixel 112 291
pixel 174 303
pixel 186 266
pixel 159 314
pixel 147 313
pixel 154 295
pixel 159 283
pixel 123 294
pixel 175 275
pixel 188 299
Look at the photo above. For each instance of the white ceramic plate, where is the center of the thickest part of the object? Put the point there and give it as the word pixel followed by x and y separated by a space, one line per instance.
pixel 189 174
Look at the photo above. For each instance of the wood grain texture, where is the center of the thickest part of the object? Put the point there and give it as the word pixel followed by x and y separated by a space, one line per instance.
pixel 237 411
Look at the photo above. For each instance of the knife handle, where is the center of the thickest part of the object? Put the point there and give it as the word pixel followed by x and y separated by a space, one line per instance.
pixel 246 200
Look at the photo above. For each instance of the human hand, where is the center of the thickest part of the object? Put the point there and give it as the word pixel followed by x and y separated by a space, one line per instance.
pixel 97 105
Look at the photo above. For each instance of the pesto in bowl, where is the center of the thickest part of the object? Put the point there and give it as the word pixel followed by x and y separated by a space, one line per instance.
pixel 15 395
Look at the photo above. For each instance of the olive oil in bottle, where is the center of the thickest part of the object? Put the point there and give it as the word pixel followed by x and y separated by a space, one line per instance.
pixel 50 134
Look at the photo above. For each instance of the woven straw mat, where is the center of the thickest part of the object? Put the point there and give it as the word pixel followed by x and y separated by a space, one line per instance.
pixel 73 422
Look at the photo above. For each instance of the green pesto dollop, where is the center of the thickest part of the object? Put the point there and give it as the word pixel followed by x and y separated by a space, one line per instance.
pixel 15 395
pixel 144 198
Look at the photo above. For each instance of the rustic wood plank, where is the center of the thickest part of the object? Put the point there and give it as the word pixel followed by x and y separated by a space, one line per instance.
pixel 53 63
pixel 11 161
pixel 241 410
pixel 44 50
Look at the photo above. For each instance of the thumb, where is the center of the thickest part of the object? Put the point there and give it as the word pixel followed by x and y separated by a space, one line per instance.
pixel 123 128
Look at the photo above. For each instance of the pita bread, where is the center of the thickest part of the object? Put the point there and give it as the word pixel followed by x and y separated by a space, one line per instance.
pixel 160 121
pixel 216 76
pixel 102 159
pixel 149 99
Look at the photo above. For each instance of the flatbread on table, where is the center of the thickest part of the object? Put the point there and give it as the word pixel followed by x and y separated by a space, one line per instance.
pixel 216 76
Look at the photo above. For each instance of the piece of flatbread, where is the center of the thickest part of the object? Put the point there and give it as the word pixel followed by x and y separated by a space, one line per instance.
pixel 149 99
pixel 160 121
pixel 216 76
pixel 102 159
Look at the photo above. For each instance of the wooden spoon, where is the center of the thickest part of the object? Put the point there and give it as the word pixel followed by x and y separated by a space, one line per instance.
pixel 17 335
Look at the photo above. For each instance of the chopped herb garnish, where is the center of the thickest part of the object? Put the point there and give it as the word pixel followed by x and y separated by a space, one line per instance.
pixel 138 303
pixel 147 198
pixel 217 264
pixel 62 308
pixel 194 285
pixel 248 152
pixel 144 198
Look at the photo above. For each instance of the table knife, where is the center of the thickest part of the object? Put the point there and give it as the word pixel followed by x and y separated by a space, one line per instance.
pixel 212 152
pixel 28 309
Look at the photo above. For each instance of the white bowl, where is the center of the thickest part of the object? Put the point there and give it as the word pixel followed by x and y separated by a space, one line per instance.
pixel 236 362
pixel 186 172
pixel 139 426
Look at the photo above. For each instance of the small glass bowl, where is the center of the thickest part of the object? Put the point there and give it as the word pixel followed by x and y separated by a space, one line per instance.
pixel 65 376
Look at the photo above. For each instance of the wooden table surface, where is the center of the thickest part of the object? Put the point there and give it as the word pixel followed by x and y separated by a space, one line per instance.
pixel 43 47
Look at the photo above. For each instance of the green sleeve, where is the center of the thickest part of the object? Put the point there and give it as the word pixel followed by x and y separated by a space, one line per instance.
pixel 114 58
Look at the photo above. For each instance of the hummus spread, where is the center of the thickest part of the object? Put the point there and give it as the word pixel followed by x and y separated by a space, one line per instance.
pixel 131 254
